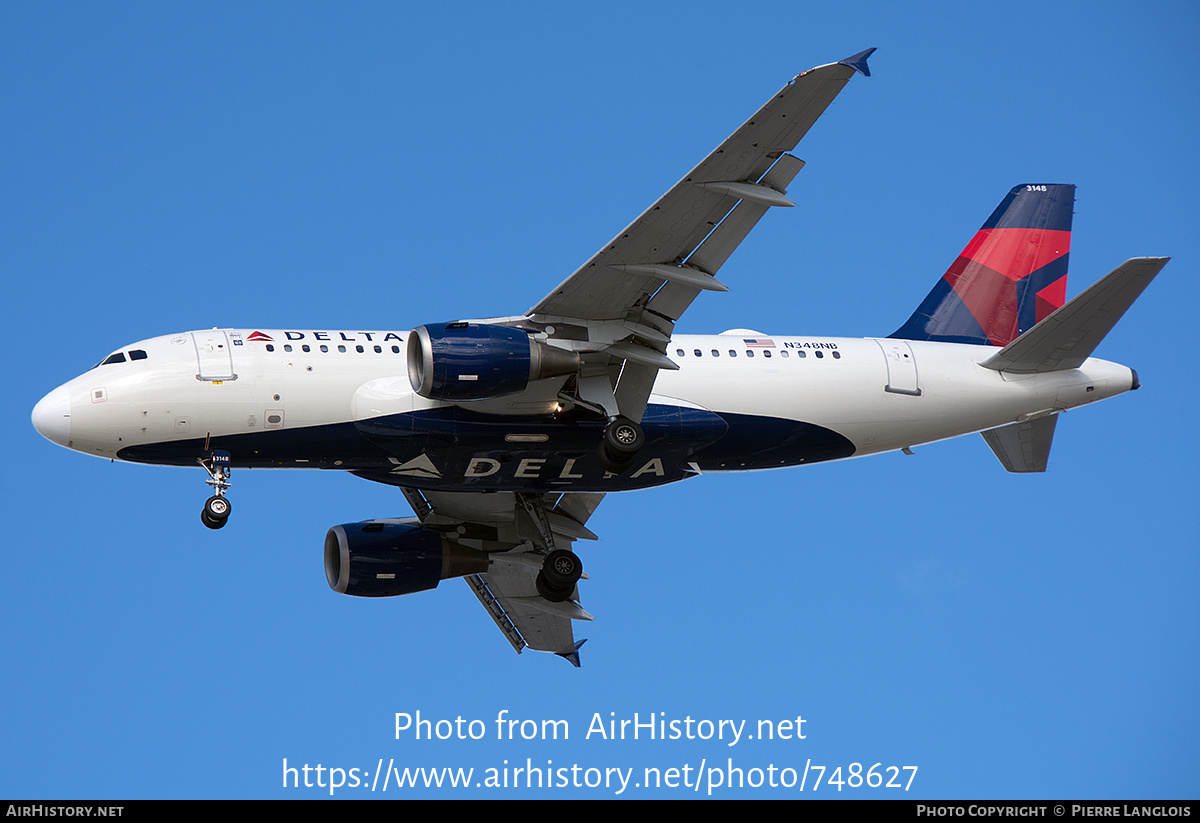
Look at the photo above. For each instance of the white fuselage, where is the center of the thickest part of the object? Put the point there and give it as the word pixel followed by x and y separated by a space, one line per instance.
pixel 879 394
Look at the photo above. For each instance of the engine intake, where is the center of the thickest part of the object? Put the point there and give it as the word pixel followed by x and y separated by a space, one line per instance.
pixel 477 361
pixel 380 559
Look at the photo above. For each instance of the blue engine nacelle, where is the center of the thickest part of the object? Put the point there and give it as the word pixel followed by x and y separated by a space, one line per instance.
pixel 383 559
pixel 476 361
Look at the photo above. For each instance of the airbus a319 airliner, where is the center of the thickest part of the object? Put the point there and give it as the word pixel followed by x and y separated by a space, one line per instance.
pixel 591 391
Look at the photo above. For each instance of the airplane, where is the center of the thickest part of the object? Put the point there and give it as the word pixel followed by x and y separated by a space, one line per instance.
pixel 504 434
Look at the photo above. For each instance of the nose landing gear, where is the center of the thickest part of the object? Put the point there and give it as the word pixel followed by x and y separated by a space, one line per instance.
pixel 216 509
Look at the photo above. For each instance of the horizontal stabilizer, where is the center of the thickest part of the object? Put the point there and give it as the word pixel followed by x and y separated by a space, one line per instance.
pixel 1069 336
pixel 1023 447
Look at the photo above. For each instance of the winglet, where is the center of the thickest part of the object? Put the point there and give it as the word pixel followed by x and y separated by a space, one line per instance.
pixel 858 62
pixel 573 657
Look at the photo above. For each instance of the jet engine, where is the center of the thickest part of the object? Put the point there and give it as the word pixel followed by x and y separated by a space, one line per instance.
pixel 386 558
pixel 477 361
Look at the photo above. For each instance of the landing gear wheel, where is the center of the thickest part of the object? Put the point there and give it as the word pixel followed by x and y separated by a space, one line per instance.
pixel 215 512
pixel 560 572
pixel 217 508
pixel 623 439
pixel 554 594
pixel 562 568
pixel 611 465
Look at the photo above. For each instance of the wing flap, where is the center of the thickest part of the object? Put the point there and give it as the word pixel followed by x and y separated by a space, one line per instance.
pixel 496 611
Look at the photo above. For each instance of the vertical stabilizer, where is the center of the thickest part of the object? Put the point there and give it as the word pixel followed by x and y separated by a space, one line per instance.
pixel 1011 275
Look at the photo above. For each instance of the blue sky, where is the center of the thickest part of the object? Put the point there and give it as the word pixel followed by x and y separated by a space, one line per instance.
pixel 305 166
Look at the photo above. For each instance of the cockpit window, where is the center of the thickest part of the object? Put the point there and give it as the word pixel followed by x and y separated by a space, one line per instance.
pixel 119 357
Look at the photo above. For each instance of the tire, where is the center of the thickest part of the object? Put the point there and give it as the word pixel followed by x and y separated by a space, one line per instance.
pixel 217 508
pixel 208 520
pixel 623 438
pixel 555 594
pixel 562 569
pixel 611 464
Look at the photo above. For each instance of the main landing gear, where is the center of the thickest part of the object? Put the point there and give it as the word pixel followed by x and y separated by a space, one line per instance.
pixel 561 568
pixel 560 572
pixel 623 439
pixel 216 508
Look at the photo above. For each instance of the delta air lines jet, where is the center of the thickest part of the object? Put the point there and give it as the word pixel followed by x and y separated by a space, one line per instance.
pixel 591 391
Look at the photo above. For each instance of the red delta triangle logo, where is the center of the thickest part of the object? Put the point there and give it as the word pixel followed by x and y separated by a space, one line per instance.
pixel 259 336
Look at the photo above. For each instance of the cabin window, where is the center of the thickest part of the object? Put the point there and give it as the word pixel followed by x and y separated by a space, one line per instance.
pixel 270 347
pixel 324 348
pixel 305 348
pixel 359 349
pixel 379 349
pixel 767 353
pixel 697 352
pixel 837 355
pixel 342 349
pixel 820 354
pixel 733 353
pixel 784 354
pixel 716 353
pixel 679 352
pixel 749 353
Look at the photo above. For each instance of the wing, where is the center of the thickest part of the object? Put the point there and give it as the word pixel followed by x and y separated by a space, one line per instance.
pixel 622 304
pixel 517 531
pixel 617 312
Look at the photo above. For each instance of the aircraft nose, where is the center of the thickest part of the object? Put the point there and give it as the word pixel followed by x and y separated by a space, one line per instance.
pixel 52 416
